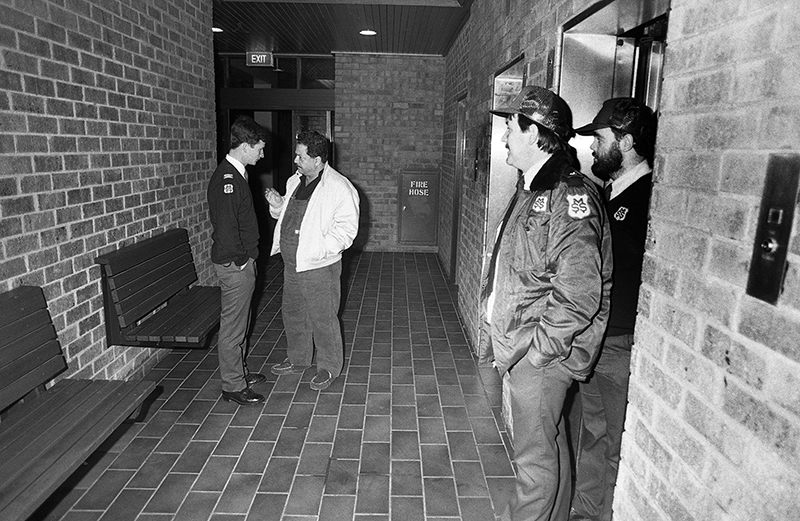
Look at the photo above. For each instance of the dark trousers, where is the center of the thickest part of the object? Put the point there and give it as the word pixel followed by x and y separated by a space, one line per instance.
pixel 310 315
pixel 541 451
pixel 603 401
pixel 237 287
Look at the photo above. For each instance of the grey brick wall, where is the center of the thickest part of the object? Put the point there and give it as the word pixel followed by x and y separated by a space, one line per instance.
pixel 713 426
pixel 713 430
pixel 107 134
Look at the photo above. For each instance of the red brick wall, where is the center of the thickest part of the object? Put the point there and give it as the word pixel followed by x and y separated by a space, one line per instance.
pixel 107 134
pixel 388 120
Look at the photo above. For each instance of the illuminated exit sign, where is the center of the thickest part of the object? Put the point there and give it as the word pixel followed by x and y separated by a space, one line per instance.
pixel 259 59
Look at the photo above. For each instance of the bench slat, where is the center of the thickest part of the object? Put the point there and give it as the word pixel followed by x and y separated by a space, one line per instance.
pixel 202 323
pixel 173 319
pixel 30 354
pixel 41 462
pixel 134 278
pixel 20 302
pixel 148 295
pixel 128 256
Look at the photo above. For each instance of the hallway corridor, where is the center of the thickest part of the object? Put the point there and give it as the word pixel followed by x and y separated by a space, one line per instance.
pixel 408 432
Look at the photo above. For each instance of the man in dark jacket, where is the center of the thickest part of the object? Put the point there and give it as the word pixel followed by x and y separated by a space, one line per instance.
pixel 234 251
pixel 545 297
pixel 624 137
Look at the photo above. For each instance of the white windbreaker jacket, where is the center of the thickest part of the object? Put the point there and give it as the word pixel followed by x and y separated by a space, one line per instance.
pixel 329 225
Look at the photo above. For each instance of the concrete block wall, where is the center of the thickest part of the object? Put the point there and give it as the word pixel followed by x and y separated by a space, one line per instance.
pixel 107 135
pixel 389 112
pixel 713 426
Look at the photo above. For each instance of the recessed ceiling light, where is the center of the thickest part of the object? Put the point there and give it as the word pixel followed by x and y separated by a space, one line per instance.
pixel 216 30
pixel 367 32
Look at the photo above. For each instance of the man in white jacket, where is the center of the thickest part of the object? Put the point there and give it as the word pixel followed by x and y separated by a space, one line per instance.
pixel 317 221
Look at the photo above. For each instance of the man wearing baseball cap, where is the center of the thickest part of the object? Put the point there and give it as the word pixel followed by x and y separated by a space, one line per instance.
pixel 545 297
pixel 624 138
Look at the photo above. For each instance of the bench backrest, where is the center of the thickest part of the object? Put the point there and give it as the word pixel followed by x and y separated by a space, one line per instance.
pixel 144 275
pixel 30 354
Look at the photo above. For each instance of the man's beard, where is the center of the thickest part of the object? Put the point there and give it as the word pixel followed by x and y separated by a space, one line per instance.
pixel 606 164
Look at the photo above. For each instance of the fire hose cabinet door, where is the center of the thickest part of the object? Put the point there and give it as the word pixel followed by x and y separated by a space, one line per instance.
pixel 419 199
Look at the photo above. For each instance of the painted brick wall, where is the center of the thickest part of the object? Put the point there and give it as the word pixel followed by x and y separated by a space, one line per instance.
pixel 389 113
pixel 107 134
pixel 713 430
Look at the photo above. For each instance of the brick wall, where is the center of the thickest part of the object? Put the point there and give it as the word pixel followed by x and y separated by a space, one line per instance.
pixel 107 133
pixel 496 34
pixel 713 430
pixel 389 113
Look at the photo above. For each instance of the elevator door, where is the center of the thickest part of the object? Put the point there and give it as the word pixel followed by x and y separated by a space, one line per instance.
pixel 614 49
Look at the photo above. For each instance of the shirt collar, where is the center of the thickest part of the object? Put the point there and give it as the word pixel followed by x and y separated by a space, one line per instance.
pixel 628 178
pixel 532 171
pixel 236 164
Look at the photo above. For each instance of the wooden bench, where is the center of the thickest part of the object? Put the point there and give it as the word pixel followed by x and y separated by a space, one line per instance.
pixel 146 294
pixel 46 434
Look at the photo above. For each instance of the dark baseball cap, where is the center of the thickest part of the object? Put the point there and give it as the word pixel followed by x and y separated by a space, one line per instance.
pixel 624 114
pixel 543 107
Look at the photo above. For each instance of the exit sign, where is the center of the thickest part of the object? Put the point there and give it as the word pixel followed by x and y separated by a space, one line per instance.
pixel 259 59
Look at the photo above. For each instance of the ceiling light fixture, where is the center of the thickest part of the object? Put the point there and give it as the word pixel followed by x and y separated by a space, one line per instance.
pixel 216 30
pixel 367 32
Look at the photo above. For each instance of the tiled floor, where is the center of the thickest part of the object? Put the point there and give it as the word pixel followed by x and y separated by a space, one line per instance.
pixel 408 432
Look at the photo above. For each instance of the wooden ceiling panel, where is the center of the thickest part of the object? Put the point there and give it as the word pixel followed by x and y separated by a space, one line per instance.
pixel 304 27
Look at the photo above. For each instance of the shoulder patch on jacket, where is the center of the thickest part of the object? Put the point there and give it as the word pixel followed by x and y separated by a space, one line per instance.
pixel 578 206
pixel 539 204
pixel 228 188
pixel 227 176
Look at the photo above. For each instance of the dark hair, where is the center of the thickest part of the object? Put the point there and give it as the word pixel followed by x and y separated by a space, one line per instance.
pixel 548 141
pixel 316 144
pixel 644 145
pixel 246 130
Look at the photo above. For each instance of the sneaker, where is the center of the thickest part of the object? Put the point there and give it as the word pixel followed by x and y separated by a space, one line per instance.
pixel 286 367
pixel 322 380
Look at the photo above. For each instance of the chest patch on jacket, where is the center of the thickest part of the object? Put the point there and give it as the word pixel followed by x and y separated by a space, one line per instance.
pixel 540 203
pixel 621 213
pixel 578 206
pixel 228 188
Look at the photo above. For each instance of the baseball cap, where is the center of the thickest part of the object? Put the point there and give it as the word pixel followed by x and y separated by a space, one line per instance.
pixel 543 107
pixel 624 114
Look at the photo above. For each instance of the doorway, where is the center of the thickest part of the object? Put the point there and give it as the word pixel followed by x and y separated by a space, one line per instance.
pixel 613 49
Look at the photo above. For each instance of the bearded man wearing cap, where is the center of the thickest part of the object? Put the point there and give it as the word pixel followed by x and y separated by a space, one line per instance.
pixel 545 297
pixel 624 137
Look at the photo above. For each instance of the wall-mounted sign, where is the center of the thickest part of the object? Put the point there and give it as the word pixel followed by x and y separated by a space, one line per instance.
pixel 259 59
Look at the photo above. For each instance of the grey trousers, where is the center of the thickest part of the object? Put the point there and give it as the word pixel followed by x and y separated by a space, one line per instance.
pixel 237 292
pixel 541 451
pixel 310 310
pixel 604 399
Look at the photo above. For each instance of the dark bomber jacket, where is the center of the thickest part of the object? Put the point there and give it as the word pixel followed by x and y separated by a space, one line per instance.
pixel 230 207
pixel 553 276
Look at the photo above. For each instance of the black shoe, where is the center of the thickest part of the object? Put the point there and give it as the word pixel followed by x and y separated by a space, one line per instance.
pixel 244 397
pixel 254 379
